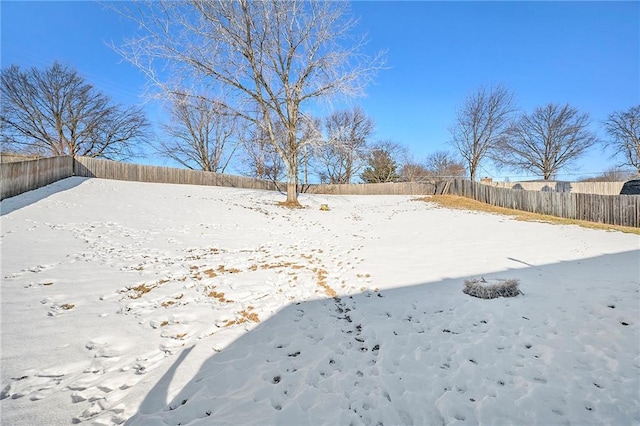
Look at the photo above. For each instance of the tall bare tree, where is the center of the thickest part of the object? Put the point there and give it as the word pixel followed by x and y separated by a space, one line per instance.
pixel 262 161
pixel 273 55
pixel 201 134
pixel 342 154
pixel 480 123
pixel 441 164
pixel 624 129
pixel 259 157
pixel 545 141
pixel 310 137
pixel 53 111
pixel 412 171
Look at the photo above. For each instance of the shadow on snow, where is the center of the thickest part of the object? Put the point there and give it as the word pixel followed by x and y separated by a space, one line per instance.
pixel 430 354
pixel 11 204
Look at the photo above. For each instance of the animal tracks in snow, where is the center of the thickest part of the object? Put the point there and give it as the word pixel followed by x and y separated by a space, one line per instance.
pixel 189 294
pixel 373 356
pixel 353 316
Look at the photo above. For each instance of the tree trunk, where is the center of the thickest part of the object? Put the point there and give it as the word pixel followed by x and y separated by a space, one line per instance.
pixel 473 168
pixel 292 183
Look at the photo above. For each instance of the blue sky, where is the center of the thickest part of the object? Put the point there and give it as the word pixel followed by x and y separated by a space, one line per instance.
pixel 586 54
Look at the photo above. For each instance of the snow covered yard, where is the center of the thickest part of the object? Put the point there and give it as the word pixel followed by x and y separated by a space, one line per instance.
pixel 164 304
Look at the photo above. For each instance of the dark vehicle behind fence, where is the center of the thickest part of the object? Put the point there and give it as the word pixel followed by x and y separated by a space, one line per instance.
pixel 631 187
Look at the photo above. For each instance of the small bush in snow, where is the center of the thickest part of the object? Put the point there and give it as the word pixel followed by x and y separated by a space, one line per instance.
pixel 482 289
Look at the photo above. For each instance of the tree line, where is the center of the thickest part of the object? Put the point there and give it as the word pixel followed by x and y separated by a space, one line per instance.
pixel 543 141
pixel 241 78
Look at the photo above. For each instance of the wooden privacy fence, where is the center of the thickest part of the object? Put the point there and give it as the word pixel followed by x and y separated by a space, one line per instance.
pixel 23 176
pixel 610 209
pixel 391 188
pixel 602 188
pixel 10 158
pixel 107 169
pixel 622 210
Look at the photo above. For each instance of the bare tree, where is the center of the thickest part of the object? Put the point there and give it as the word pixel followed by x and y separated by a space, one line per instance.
pixel 480 123
pixel 262 161
pixel 310 136
pixel 545 141
pixel 342 155
pixel 203 135
pixel 613 174
pixel 260 158
pixel 53 111
pixel 624 129
pixel 382 163
pixel 273 55
pixel 413 172
pixel 441 164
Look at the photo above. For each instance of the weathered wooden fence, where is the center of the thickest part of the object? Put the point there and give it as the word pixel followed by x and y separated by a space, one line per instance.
pixel 392 188
pixel 610 209
pixel 107 169
pixel 602 188
pixel 10 158
pixel 23 176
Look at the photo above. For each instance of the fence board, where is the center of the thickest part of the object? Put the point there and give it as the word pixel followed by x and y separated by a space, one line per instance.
pixel 610 209
pixel 601 188
pixel 23 176
pixel 389 188
pixel 106 169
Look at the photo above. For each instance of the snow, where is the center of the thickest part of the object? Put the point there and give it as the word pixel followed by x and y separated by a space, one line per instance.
pixel 151 304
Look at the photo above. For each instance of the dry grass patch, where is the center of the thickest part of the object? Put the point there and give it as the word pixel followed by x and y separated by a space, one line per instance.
pixel 141 290
pixel 281 265
pixel 220 296
pixel 224 270
pixel 250 315
pixel 321 276
pixel 246 315
pixel 290 204
pixel 463 203
pixel 168 303
pixel 210 273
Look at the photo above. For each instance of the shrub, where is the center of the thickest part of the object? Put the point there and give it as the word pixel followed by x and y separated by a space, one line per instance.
pixel 482 289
